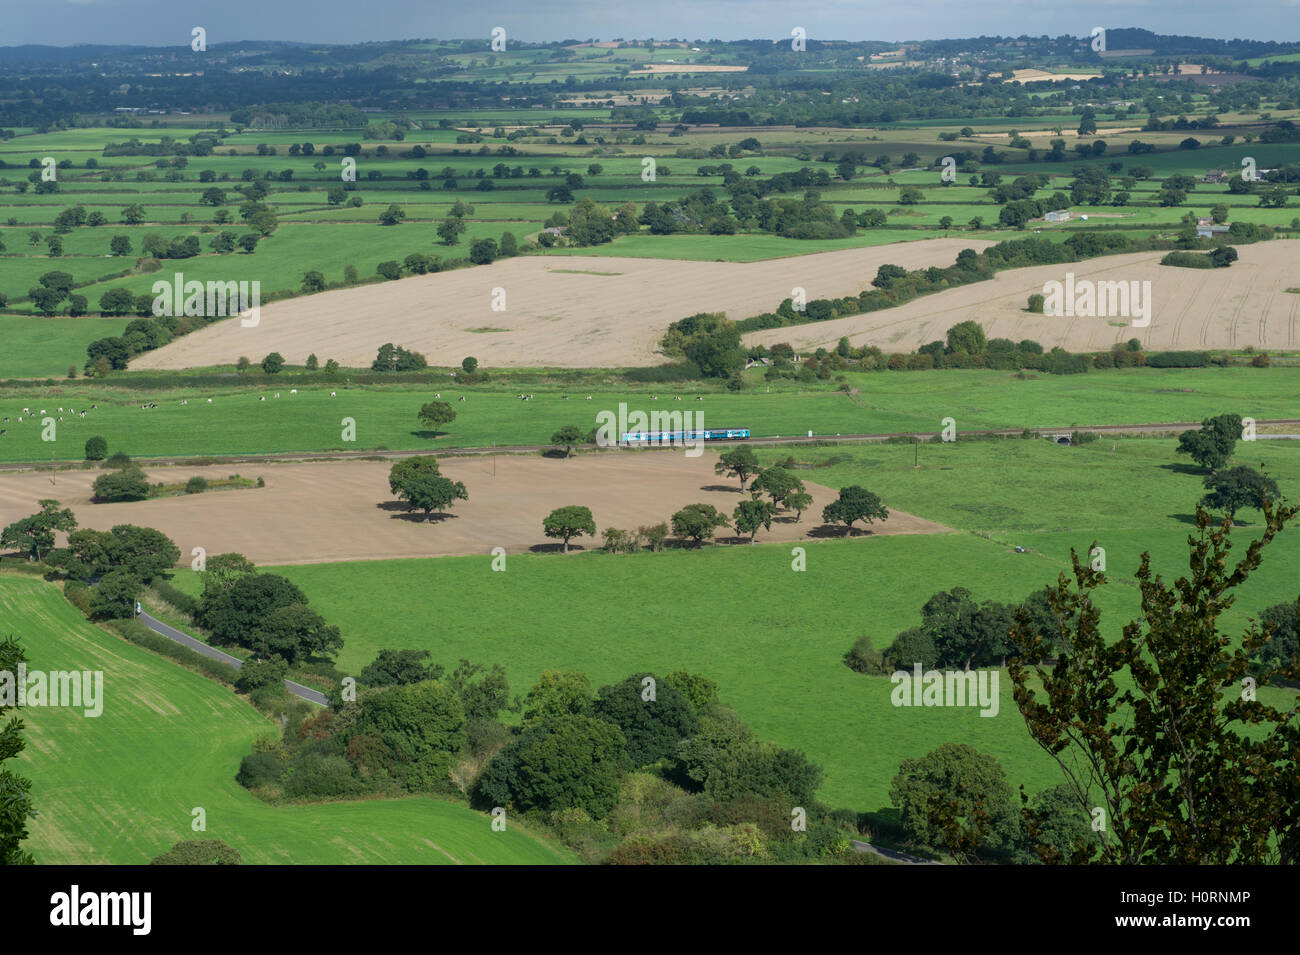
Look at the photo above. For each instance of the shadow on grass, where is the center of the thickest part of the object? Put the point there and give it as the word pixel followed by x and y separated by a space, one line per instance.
pixel 428 434
pixel 1217 520
pixel 1194 470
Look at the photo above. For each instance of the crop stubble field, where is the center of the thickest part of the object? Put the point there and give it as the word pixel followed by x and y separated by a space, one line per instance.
pixel 318 512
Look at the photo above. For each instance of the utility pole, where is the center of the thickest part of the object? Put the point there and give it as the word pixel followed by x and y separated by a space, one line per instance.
pixel 916 451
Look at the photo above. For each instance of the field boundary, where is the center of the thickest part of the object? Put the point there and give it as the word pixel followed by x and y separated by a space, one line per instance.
pixel 273 457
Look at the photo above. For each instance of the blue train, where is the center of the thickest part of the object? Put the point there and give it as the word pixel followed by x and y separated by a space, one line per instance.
pixel 679 437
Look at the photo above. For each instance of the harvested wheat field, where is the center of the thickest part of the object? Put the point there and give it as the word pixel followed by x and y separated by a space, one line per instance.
pixel 1037 76
pixel 686 68
pixel 566 312
pixel 342 510
pixel 1246 304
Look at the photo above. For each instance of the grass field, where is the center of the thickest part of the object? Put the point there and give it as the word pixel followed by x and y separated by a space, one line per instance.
pixel 237 423
pixel 774 638
pixel 314 235
pixel 120 788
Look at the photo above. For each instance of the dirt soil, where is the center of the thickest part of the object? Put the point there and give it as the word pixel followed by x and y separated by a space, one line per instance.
pixel 560 311
pixel 1245 304
pixel 342 510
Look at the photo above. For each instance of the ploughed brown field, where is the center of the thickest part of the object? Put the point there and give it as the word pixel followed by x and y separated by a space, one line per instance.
pixel 342 510
pixel 1245 304
pixel 560 311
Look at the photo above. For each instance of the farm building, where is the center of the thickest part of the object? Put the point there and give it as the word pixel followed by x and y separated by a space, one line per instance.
pixel 1214 175
pixel 1060 215
pixel 1207 229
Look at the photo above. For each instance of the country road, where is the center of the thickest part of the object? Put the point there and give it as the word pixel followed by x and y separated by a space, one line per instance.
pixel 198 646
pixel 288 456
pixel 891 854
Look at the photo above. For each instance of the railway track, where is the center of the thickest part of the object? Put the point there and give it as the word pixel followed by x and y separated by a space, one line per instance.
pixel 292 456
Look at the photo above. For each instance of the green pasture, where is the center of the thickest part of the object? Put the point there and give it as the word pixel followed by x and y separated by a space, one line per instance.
pixel 774 637
pixel 120 788
pixel 236 422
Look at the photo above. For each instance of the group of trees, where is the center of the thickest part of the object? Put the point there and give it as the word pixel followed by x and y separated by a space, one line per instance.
pixel 264 613
pixel 52 289
pixel 140 335
pixel 697 522
pixel 116 564
pixel 396 358
pixel 956 633
pixel 1186 763
pixel 957 800
pixel 635 747
pixel 1229 489
pixel 1168 755
pixel 710 341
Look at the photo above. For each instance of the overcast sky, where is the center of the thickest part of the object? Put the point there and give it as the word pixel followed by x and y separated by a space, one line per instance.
pixel 168 22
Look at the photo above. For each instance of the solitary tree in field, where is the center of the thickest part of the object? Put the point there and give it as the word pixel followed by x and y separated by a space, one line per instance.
pixel 854 504
pixel 750 515
pixel 1236 488
pixel 392 215
pixel 1212 445
pixel 436 414
pixel 698 521
pixel 739 463
pixel 431 492
pixel 799 501
pixel 566 438
pixel 273 363
pixel 96 448
pixel 1185 765
pixel 566 523
pixel 405 468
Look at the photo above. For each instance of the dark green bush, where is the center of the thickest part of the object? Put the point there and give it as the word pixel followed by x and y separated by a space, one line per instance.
pixel 259 769
pixel 863 657
pixel 1178 359
pixel 181 601
pixel 78 595
pixel 96 448
pixel 199 852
